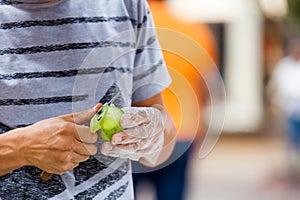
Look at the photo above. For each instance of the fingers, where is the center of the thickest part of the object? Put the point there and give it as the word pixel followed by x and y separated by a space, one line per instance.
pixel 119 149
pixel 124 138
pixel 130 151
pixel 68 160
pixel 133 116
pixel 125 152
pixel 64 162
pixel 71 159
pixel 82 116
pixel 145 130
pixel 69 142
pixel 142 122
pixel 74 157
pixel 85 149
pixel 125 146
pixel 130 146
pixel 82 141
pixel 83 134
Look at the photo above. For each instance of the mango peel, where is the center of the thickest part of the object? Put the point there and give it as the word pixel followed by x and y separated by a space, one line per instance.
pixel 107 122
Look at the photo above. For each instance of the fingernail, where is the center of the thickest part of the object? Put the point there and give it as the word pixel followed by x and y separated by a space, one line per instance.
pixel 97 107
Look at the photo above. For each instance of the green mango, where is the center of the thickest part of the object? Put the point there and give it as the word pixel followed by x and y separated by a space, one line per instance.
pixel 107 122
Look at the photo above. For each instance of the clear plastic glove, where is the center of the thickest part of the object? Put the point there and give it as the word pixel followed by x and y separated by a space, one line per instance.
pixel 142 137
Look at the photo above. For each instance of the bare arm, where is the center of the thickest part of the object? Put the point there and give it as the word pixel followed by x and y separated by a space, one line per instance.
pixel 10 151
pixel 54 145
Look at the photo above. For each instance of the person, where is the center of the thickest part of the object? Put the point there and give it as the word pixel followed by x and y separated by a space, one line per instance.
pixel 284 93
pixel 58 59
pixel 170 180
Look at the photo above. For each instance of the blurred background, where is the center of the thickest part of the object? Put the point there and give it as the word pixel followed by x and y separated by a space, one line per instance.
pixel 244 40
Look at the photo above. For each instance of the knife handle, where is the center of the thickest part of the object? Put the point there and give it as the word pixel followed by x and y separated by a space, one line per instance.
pixel 45 176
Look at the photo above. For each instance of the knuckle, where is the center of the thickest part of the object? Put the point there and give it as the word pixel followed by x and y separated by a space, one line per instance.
pixel 68 126
pixel 64 158
pixel 67 146
pixel 65 127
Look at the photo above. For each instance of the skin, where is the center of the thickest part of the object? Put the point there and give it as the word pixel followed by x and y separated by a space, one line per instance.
pixel 53 145
pixel 59 144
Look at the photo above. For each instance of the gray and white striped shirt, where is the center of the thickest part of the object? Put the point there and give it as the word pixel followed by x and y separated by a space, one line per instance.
pixel 65 56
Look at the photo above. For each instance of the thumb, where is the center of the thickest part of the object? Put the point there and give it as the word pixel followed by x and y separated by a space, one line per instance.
pixel 82 116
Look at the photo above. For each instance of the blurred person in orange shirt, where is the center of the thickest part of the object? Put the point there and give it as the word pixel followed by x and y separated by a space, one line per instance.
pixel 190 51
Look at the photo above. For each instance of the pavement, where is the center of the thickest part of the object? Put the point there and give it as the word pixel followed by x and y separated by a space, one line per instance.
pixel 245 166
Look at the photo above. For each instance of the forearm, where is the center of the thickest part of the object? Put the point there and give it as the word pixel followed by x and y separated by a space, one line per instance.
pixel 10 151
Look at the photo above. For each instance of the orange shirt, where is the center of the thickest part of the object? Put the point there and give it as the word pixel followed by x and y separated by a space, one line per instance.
pixel 188 49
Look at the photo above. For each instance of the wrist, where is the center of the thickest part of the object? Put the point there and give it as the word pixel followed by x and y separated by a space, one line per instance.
pixel 169 140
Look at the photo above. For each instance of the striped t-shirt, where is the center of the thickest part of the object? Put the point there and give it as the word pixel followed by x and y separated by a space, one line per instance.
pixel 65 56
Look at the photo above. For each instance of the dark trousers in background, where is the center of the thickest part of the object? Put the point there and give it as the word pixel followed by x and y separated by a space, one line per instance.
pixel 294 130
pixel 169 180
pixel 293 125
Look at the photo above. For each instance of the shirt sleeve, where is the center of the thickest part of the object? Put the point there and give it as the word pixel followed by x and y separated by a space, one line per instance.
pixel 150 74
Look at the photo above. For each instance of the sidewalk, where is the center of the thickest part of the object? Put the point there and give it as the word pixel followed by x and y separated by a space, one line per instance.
pixel 244 168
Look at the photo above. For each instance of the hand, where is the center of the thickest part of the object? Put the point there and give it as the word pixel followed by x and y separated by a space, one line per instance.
pixel 59 144
pixel 142 137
